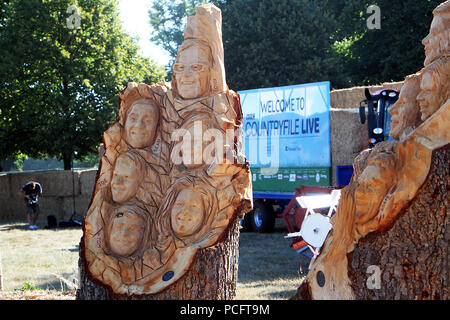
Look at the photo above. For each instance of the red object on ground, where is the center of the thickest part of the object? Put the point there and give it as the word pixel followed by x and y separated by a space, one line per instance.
pixel 293 211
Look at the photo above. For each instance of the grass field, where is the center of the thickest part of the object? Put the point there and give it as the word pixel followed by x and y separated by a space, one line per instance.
pixel 48 259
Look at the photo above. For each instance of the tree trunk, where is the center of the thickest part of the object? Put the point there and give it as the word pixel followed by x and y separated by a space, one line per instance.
pixel 212 276
pixel 67 160
pixel 413 254
pixel 409 260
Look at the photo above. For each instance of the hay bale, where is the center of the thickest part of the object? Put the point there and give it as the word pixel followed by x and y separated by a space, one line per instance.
pixel 351 97
pixel 348 137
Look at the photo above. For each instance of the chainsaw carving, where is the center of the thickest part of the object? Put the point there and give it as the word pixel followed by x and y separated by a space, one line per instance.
pixel 173 175
pixel 437 42
pixel 405 113
pixel 387 177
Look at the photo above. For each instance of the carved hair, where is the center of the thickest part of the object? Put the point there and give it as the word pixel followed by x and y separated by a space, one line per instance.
pixel 194 43
pixel 443 8
pixel 208 195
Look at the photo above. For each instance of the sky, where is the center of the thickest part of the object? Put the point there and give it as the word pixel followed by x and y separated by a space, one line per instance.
pixel 134 15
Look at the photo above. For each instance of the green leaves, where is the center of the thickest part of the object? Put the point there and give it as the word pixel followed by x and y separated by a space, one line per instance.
pixel 60 85
pixel 279 42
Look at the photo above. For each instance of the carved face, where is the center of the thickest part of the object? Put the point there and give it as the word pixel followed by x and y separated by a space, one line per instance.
pixel 192 72
pixel 405 112
pixel 433 41
pixel 127 232
pixel 374 183
pixel 125 180
pixel 428 97
pixel 141 124
pixel 188 212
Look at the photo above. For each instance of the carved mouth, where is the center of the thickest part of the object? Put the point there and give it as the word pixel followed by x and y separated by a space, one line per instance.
pixel 138 135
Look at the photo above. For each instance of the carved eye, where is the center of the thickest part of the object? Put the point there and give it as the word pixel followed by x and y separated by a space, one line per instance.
pixel 119 215
pixel 178 67
pixel 196 67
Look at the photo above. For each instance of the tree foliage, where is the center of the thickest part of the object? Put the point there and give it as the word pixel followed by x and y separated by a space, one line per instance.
pixel 281 42
pixel 274 43
pixel 168 19
pixel 59 86
pixel 391 52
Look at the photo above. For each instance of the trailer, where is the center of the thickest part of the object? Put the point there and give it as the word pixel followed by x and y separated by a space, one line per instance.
pixel 286 136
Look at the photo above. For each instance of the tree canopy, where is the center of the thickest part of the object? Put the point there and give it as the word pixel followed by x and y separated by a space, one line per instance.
pixel 59 85
pixel 279 42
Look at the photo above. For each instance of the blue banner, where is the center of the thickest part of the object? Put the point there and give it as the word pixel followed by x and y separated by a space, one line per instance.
pixel 287 126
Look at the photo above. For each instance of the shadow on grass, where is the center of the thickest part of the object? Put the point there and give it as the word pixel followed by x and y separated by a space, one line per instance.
pixel 267 257
pixel 282 294
pixel 9 227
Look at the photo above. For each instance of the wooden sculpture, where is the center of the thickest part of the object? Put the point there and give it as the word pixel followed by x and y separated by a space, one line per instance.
pixel 388 181
pixel 173 179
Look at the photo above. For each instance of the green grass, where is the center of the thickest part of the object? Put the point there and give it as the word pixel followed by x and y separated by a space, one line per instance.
pixel 41 258
pixel 48 259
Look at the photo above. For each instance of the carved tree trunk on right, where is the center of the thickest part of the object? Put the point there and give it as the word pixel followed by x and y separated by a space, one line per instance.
pixel 412 255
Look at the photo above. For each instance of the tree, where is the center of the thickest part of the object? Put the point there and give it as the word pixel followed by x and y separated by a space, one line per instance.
pixel 269 43
pixel 388 53
pixel 168 18
pixel 273 43
pixel 266 43
pixel 59 85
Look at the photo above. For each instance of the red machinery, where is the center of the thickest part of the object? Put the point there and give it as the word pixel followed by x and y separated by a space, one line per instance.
pixel 293 214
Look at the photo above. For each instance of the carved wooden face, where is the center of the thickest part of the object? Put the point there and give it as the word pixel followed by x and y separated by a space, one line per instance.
pixel 435 39
pixel 127 232
pixel 428 97
pixel 141 124
pixel 405 112
pixel 125 180
pixel 192 71
pixel 187 213
pixel 374 183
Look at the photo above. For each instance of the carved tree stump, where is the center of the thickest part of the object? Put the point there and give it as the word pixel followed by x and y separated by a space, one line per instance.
pixel 213 275
pixel 164 215
pixel 412 254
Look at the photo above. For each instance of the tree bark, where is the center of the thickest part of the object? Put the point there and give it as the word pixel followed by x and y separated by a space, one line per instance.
pixel 67 160
pixel 212 276
pixel 413 254
pixel 410 256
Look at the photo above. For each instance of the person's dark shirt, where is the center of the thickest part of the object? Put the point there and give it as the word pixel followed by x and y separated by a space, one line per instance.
pixel 33 192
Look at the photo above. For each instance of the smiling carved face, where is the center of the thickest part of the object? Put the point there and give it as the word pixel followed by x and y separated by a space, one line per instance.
pixel 192 72
pixel 127 232
pixel 141 124
pixel 124 183
pixel 188 212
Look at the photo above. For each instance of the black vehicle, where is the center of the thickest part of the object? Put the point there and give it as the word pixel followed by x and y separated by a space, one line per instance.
pixel 378 116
